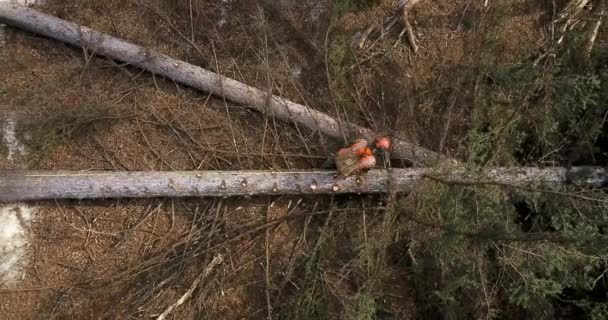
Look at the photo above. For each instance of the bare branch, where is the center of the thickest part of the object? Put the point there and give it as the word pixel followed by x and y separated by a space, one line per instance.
pixel 217 260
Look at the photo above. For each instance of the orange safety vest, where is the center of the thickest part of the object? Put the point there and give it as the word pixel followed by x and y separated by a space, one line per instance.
pixel 360 148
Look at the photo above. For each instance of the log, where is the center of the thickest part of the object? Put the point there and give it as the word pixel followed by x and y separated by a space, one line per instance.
pixel 111 47
pixel 44 185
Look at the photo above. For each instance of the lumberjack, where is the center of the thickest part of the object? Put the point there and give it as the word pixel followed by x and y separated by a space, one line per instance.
pixel 359 156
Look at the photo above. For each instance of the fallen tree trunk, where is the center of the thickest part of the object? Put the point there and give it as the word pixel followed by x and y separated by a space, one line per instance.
pixel 41 185
pixel 199 78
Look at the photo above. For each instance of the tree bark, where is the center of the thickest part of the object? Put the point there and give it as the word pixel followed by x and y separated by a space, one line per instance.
pixel 199 78
pixel 42 185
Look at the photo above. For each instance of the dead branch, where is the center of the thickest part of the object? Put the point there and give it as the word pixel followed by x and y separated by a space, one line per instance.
pixel 570 16
pixel 407 26
pixel 217 260
pixel 401 13
pixel 41 185
pixel 199 78
pixel 591 30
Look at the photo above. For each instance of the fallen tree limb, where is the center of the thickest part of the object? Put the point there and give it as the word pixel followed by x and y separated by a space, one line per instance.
pixel 199 78
pixel 407 5
pixel 217 260
pixel 591 31
pixel 569 16
pixel 41 185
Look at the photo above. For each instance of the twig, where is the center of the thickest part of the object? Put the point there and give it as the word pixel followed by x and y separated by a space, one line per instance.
pixel 186 147
pixel 48 288
pixel 329 83
pixel 158 156
pixel 88 58
pixel 592 30
pixel 237 234
pixel 106 155
pixel 267 275
pixel 191 20
pixel 228 117
pixel 483 279
pixel 448 122
pixel 167 20
pixel 365 35
pixel 217 260
pixel 408 28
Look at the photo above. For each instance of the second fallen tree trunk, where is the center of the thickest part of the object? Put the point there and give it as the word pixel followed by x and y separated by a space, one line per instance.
pixel 199 78
pixel 43 185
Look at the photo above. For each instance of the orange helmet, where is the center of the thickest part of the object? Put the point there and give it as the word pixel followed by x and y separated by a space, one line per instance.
pixel 383 143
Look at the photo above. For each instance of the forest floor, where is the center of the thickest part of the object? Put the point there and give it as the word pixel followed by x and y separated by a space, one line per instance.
pixel 65 108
